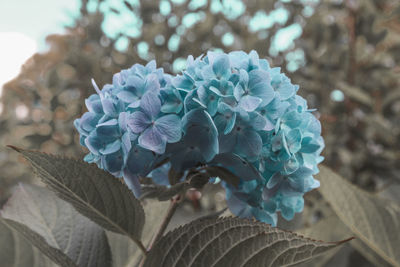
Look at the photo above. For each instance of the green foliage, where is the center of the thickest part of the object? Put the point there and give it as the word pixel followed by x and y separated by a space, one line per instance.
pixel 126 253
pixel 55 228
pixel 233 242
pixel 16 252
pixel 92 191
pixel 376 221
pixel 64 235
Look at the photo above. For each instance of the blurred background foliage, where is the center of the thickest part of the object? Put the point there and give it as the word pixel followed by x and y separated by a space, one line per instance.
pixel 344 54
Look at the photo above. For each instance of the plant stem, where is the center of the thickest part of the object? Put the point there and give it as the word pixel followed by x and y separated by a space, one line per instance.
pixel 141 246
pixel 171 210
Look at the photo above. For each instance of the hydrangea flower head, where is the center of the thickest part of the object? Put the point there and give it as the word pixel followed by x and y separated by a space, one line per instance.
pixel 130 122
pixel 224 110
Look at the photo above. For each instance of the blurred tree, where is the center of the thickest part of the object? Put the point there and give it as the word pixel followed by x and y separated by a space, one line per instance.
pixel 344 58
pixel 351 74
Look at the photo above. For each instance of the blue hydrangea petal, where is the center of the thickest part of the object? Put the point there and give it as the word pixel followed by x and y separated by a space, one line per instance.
pixel 291 166
pixel 111 148
pixel 138 121
pixel 249 143
pixel 286 91
pixel 243 77
pixel 239 60
pixel 258 76
pixel 198 124
pixel 293 139
pixel 170 127
pixel 230 123
pixel 93 143
pixel 183 82
pixel 153 140
pixel 126 143
pixel 127 96
pixel 150 104
pixel 160 175
pixel 136 83
pixel 290 205
pixel 274 180
pixel 239 166
pixel 133 183
pixel 237 206
pixel 292 119
pixel 108 107
pixel 308 145
pixel 257 121
pixel 189 103
pixel 238 91
pixel 93 104
pixel 152 83
pixel 263 91
pixel 227 142
pixel 264 216
pixel 139 160
pixel 113 162
pixel 249 103
pixel 184 155
pixel 123 121
pixel 172 101
pixel 88 122
pixel 221 65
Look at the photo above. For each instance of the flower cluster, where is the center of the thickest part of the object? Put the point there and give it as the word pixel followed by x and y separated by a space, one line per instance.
pixel 230 110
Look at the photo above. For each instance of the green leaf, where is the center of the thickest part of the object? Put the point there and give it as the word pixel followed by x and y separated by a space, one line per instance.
pixel 15 251
pixel 126 253
pixel 92 191
pixel 337 230
pixel 55 228
pixel 374 220
pixel 233 242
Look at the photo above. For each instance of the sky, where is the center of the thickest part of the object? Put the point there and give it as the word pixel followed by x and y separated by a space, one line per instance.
pixel 24 24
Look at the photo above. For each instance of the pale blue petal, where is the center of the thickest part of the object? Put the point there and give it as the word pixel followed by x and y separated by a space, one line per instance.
pixel 258 76
pixel 265 217
pixel 135 82
pixel 152 83
pixel 221 65
pixel 113 162
pixel 249 103
pixel 111 147
pixel 170 127
pixel 239 166
pixel 138 122
pixel 238 92
pixel 230 124
pixel 257 121
pixel 227 142
pixel 139 160
pixel 108 129
pixel 293 139
pixel 249 143
pixel 127 96
pixel 151 139
pixel 244 77
pixel 263 91
pixel 133 183
pixel 150 104
pixel 274 180
pixel 126 143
